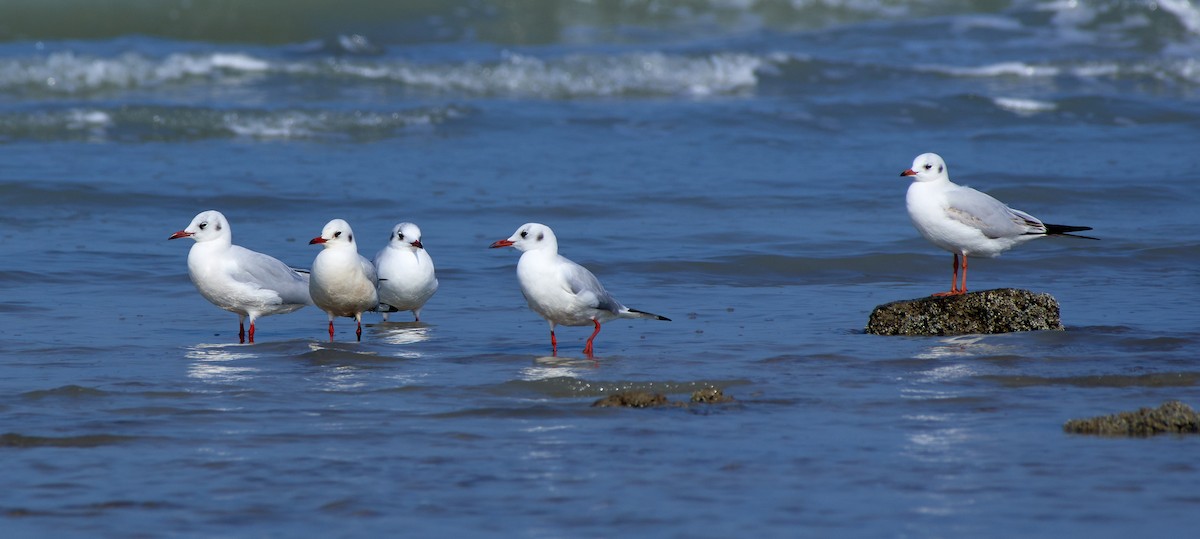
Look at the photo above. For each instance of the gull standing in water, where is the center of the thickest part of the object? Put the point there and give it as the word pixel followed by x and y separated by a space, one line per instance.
pixel 406 276
pixel 560 290
pixel 967 222
pixel 237 279
pixel 342 282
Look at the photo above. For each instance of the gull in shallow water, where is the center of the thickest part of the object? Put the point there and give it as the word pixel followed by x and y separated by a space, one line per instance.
pixel 406 276
pixel 967 222
pixel 342 282
pixel 560 290
pixel 237 279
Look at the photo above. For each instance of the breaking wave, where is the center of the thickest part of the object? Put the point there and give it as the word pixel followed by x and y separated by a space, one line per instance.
pixel 576 76
pixel 146 123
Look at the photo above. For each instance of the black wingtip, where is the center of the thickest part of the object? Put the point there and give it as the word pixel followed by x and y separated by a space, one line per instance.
pixel 650 315
pixel 1065 230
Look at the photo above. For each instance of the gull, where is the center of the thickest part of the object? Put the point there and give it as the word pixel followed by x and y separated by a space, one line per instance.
pixel 560 290
pixel 406 277
pixel 967 222
pixel 237 279
pixel 343 282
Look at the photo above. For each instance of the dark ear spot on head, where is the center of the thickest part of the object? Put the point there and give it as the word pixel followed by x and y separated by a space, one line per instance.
pixel 218 225
pixel 940 168
pixel 540 236
pixel 350 237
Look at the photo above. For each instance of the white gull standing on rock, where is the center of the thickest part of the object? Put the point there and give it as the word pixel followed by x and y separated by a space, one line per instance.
pixel 342 282
pixel 237 279
pixel 967 222
pixel 406 275
pixel 560 290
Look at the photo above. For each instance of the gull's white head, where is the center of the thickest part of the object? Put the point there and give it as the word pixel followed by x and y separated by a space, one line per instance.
pixel 336 233
pixel 406 236
pixel 928 167
pixel 530 237
pixel 207 226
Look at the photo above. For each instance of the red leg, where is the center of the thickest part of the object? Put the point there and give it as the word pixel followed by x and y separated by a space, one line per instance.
pixel 953 280
pixel 331 331
pixel 358 332
pixel 553 344
pixel 241 332
pixel 251 331
pixel 587 350
pixel 963 289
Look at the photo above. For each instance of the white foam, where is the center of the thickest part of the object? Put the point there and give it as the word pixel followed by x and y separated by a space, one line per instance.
pixel 575 76
pixel 1186 12
pixel 68 73
pixel 89 118
pixel 278 126
pixel 239 62
pixel 1002 69
pixel 646 73
pixel 1024 106
pixel 307 124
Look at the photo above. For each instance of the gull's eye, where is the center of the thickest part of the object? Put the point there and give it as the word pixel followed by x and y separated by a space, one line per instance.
pixel 337 234
pixel 203 225
pixel 524 233
pixel 928 166
pixel 400 236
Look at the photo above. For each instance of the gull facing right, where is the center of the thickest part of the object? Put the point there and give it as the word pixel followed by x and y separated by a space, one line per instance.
pixel 560 290
pixel 342 281
pixel 964 221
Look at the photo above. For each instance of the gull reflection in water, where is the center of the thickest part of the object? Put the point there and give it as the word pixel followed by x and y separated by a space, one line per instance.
pixel 404 333
pixel 962 346
pixel 548 367
pixel 210 362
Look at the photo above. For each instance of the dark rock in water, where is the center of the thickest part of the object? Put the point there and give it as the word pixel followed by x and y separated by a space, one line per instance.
pixel 643 399
pixel 710 396
pixel 1173 417
pixel 1002 310
pixel 633 399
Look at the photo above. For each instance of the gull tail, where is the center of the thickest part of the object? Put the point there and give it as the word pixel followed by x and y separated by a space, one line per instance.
pixel 1064 230
pixel 634 313
pixel 385 308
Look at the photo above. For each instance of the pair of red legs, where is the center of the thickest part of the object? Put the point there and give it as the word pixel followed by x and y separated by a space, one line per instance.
pixel 587 349
pixel 242 332
pixel 357 333
pixel 955 289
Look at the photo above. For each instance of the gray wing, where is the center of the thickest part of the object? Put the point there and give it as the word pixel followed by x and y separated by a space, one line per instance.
pixel 588 289
pixel 990 216
pixel 369 269
pixel 268 273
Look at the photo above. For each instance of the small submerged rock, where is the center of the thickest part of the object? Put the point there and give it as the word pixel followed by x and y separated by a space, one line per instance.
pixel 633 399
pixel 645 399
pixel 1002 310
pixel 710 396
pixel 1173 417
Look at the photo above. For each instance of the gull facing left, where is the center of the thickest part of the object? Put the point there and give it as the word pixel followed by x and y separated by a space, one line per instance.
pixel 241 281
pixel 342 282
pixel 967 222
pixel 560 290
